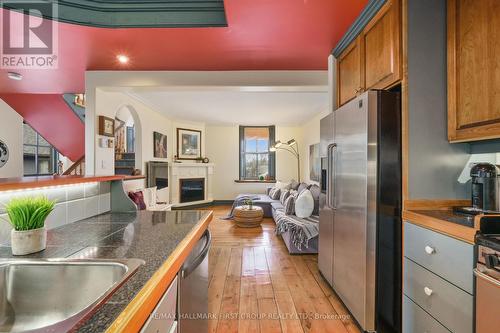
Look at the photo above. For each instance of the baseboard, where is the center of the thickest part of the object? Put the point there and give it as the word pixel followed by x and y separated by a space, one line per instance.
pixel 222 202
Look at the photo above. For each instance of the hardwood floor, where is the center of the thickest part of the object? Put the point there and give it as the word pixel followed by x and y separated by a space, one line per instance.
pixel 256 286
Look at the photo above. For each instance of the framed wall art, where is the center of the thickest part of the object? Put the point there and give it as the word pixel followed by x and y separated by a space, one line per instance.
pixel 106 126
pixel 188 144
pixel 314 162
pixel 160 145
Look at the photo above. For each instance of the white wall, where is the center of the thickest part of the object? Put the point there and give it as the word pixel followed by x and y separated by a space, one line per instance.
pixel 310 135
pixel 146 122
pixel 127 80
pixel 220 143
pixel 222 147
pixel 108 104
pixel 11 132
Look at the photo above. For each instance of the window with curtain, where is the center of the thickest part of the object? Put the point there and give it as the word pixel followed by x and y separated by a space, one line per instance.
pixel 256 160
pixel 39 157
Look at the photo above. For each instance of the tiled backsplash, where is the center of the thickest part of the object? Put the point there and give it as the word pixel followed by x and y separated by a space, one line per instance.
pixel 74 203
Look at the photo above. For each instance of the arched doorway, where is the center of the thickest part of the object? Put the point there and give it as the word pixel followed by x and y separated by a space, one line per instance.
pixel 127 141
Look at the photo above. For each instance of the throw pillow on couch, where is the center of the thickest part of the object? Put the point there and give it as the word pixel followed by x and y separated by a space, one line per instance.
pixel 138 198
pixel 294 185
pixel 302 187
pixel 281 185
pixel 304 204
pixel 150 195
pixel 284 194
pixel 274 193
pixel 289 203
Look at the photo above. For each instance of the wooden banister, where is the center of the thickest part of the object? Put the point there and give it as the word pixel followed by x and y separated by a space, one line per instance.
pixel 78 168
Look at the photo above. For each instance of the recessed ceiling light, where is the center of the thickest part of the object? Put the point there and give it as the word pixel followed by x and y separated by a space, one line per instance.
pixel 14 76
pixel 122 59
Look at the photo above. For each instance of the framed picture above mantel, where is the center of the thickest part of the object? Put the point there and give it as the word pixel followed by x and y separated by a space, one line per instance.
pixel 188 144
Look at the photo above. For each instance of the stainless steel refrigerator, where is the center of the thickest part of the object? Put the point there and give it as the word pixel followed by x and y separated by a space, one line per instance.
pixel 360 213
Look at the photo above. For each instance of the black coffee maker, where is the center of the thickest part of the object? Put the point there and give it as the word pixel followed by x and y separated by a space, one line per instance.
pixel 484 187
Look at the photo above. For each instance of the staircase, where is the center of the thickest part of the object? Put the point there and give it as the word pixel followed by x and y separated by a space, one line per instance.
pixel 77 109
pixel 53 119
pixel 77 169
pixel 124 163
pixel 124 160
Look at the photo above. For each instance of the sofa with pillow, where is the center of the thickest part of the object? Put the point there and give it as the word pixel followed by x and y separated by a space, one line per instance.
pixel 147 199
pixel 295 228
pixel 265 200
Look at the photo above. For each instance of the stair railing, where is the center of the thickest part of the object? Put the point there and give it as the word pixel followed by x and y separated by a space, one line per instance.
pixel 76 169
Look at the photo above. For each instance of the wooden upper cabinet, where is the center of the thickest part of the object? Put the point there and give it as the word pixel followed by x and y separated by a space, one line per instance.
pixel 473 70
pixel 373 59
pixel 349 73
pixel 381 39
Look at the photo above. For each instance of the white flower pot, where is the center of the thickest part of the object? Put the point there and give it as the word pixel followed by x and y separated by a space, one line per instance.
pixel 29 241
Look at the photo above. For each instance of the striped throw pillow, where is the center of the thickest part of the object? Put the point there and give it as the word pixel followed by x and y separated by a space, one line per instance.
pixel 290 205
pixel 284 194
pixel 275 193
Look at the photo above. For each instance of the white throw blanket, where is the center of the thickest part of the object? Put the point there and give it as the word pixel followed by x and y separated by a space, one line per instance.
pixel 302 230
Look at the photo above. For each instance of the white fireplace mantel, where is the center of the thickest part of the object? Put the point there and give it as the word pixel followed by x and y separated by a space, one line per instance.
pixel 188 170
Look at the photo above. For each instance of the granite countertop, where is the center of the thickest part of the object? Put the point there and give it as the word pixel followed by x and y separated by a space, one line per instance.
pixel 151 236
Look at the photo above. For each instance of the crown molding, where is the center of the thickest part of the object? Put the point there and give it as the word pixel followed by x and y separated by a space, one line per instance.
pixel 133 14
pixel 371 8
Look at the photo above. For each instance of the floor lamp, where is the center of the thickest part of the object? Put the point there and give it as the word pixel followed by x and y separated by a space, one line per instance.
pixel 290 146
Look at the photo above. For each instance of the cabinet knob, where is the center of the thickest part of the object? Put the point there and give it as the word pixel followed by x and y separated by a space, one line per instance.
pixel 428 291
pixel 430 250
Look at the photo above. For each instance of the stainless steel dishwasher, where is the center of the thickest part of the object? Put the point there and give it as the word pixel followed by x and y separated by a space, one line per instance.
pixel 193 288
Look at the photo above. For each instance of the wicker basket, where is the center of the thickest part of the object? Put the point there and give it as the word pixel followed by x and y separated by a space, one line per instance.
pixel 248 218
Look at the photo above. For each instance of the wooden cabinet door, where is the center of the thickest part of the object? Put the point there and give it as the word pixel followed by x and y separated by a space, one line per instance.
pixel 349 73
pixel 381 45
pixel 473 70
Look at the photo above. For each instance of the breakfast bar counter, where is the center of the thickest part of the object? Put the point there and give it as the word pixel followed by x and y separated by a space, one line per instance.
pixel 24 183
pixel 162 239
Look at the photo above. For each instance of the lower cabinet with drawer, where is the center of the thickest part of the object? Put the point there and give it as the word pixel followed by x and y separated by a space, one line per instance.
pixel 438 282
pixel 418 321
pixel 162 319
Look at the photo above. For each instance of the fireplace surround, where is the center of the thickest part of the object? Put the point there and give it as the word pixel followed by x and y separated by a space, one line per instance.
pixel 189 171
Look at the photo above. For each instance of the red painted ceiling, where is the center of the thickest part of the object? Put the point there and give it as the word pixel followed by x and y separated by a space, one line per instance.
pixel 261 35
pixel 50 116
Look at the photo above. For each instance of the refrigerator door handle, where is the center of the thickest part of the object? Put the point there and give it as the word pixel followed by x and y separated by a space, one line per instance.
pixel 330 191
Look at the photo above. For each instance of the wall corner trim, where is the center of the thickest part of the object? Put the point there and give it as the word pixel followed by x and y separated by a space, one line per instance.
pixel 371 8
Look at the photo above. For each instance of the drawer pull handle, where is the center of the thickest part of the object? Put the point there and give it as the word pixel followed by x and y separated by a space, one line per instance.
pixel 430 250
pixel 428 291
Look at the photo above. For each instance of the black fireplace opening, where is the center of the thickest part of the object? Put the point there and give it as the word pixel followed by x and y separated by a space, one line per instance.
pixel 192 189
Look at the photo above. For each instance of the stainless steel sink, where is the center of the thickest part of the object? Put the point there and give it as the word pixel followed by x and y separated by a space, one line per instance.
pixel 54 295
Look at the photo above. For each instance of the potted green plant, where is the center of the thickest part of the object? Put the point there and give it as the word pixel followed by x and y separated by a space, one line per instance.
pixel 27 217
pixel 248 202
